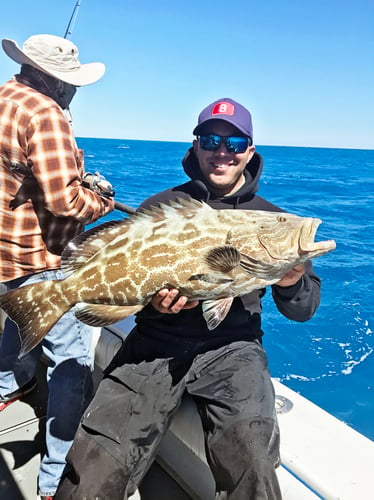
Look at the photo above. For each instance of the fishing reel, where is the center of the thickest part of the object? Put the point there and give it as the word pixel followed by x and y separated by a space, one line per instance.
pixel 97 183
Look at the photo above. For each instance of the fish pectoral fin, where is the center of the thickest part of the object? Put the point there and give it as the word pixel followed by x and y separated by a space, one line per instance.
pixel 215 278
pixel 103 314
pixel 255 267
pixel 223 259
pixel 215 311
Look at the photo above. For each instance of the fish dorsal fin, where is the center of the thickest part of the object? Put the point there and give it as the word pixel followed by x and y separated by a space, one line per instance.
pixel 189 203
pixel 80 249
pixel 186 207
pixel 215 311
pixel 87 244
pixel 223 259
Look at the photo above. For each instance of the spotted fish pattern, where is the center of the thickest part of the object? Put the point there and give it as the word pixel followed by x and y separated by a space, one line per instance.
pixel 210 255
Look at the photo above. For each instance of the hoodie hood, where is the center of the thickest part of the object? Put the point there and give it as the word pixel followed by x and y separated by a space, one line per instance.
pixel 252 174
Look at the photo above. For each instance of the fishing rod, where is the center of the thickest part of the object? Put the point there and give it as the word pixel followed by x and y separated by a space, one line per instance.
pixel 69 30
pixel 73 18
pixel 124 208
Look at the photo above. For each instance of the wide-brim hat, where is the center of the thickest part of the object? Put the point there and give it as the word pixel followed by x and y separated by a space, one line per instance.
pixel 55 56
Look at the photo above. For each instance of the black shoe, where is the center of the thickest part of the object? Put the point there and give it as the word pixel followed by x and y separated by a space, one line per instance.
pixel 19 393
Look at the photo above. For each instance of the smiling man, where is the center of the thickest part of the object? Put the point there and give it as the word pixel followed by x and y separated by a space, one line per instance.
pixel 222 149
pixel 171 351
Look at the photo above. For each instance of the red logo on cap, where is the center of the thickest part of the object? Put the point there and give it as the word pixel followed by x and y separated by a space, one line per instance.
pixel 223 108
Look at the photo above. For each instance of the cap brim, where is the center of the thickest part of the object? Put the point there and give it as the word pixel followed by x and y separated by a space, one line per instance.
pixel 84 75
pixel 199 129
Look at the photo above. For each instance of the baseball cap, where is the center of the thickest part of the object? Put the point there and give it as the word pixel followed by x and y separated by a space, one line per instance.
pixel 228 110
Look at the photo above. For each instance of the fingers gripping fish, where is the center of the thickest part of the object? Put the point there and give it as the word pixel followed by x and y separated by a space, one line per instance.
pixel 113 270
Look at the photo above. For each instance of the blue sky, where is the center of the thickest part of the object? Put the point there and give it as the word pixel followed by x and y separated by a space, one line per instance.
pixel 305 69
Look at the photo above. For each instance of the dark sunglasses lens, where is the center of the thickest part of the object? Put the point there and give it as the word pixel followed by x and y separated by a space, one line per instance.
pixel 210 142
pixel 233 144
pixel 237 144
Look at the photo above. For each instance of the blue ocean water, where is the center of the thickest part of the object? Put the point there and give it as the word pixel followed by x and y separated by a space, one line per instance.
pixel 329 359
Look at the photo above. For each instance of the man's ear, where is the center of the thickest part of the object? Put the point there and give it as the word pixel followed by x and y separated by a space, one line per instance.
pixel 251 152
pixel 195 144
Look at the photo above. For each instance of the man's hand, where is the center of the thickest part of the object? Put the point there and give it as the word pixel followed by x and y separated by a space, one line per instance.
pixel 164 301
pixel 292 277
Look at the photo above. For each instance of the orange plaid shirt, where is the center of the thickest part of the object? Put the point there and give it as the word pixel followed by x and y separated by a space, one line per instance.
pixel 43 205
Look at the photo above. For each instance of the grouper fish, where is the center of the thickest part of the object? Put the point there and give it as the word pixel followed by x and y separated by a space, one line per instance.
pixel 113 270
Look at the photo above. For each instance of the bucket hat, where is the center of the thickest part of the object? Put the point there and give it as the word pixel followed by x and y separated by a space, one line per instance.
pixel 55 56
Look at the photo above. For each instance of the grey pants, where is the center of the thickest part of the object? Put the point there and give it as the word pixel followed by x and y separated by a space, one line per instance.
pixel 131 411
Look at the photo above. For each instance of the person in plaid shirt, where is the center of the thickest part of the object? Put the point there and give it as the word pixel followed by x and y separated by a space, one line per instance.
pixel 43 205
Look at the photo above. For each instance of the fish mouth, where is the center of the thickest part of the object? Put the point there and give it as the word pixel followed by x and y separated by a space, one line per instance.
pixel 307 245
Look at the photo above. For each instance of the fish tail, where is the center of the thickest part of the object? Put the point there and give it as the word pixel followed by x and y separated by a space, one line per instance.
pixel 35 308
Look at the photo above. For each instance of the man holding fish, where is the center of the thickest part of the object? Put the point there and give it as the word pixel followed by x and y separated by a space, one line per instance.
pixel 208 346
pixel 44 204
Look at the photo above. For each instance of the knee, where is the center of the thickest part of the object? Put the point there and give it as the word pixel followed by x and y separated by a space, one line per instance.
pixel 247 444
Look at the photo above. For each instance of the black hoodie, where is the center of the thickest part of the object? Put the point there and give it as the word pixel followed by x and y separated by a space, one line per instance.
pixel 170 334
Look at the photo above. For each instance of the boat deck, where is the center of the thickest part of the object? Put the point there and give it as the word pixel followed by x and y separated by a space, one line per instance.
pixel 22 430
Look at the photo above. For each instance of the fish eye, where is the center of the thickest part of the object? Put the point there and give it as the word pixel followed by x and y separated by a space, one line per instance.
pixel 281 218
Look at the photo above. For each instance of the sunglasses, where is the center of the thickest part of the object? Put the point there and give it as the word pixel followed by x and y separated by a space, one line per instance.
pixel 233 144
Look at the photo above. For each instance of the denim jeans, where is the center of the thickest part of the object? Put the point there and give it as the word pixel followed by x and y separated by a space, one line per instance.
pixel 68 347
